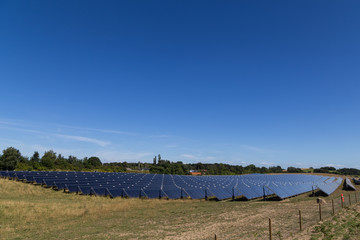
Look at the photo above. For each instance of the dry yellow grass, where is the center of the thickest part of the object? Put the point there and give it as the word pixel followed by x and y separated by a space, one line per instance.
pixel 25 206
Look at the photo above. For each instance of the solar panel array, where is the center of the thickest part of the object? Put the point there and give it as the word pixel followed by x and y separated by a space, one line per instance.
pixel 134 185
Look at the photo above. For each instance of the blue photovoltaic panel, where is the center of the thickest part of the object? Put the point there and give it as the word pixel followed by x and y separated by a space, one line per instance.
pixel 329 185
pixel 175 193
pixel 349 185
pixel 219 193
pixel 84 189
pixel 153 193
pixel 196 193
pixel 117 192
pixel 133 193
pixel 356 181
pixel 98 191
pixel 236 193
pixel 180 186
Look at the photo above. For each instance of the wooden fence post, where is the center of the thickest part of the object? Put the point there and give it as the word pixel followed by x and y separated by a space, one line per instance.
pixel 355 197
pixel 349 200
pixel 300 220
pixel 320 211
pixel 333 209
pixel 270 228
pixel 215 237
pixel 342 201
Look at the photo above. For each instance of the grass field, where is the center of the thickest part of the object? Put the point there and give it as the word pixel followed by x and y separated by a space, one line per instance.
pixel 34 212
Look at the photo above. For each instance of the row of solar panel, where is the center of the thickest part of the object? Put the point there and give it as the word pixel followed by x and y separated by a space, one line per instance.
pixel 177 186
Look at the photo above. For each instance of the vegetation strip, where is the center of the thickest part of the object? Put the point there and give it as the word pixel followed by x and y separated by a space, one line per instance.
pixel 11 159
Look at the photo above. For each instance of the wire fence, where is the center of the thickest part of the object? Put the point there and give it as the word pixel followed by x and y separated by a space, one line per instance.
pixel 313 213
pixel 299 219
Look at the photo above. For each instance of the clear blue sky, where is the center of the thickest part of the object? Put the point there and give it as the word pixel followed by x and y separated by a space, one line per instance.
pixel 239 82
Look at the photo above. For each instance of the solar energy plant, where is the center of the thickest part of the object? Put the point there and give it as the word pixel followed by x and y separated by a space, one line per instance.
pixel 137 185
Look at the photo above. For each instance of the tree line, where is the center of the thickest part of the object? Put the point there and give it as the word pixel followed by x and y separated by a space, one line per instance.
pixel 342 171
pixel 12 159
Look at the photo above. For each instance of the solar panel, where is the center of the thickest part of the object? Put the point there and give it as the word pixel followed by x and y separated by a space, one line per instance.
pixel 117 192
pixel 356 181
pixel 153 193
pixel 349 185
pixel 219 193
pixel 195 193
pixel 329 185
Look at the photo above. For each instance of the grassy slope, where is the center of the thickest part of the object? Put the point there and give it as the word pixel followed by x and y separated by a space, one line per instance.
pixel 33 212
pixel 344 225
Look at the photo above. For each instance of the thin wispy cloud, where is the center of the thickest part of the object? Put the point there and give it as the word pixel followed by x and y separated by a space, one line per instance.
pixel 258 150
pixel 160 136
pixel 7 142
pixel 30 126
pixel 252 148
pixel 267 163
pixel 121 156
pixel 83 139
pixel 198 157
pixel 188 156
pixel 235 162
pixel 334 165
pixel 8 123
pixel 114 131
pixel 301 165
pixel 171 146
pixel 76 138
pixel 20 129
pixel 19 123
pixel 98 130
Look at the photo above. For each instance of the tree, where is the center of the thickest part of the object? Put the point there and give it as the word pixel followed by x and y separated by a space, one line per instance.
pixel 274 169
pixel 48 160
pixel 154 160
pixel 200 166
pixel 349 171
pixel 251 169
pixel 157 169
pixel 294 170
pixel 35 161
pixel 61 163
pixel 92 162
pixel 263 170
pixel 11 156
pixel 35 157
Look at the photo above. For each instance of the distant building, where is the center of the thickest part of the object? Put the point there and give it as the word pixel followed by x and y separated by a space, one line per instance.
pixel 198 172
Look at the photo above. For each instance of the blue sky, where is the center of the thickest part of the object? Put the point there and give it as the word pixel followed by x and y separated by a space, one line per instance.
pixel 239 82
